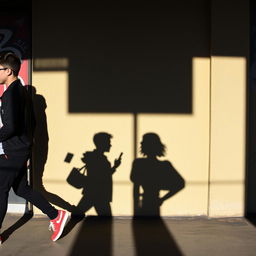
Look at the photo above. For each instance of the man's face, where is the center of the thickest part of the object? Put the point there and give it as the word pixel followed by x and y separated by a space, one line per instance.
pixel 103 144
pixel 3 74
pixel 107 145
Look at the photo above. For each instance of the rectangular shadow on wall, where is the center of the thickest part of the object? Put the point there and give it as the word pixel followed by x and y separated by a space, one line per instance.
pixel 127 57
pixel 136 59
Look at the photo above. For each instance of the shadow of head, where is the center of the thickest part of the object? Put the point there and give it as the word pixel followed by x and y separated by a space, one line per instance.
pixel 151 145
pixel 102 141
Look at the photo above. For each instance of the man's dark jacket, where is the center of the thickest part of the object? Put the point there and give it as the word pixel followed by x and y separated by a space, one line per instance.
pixel 16 113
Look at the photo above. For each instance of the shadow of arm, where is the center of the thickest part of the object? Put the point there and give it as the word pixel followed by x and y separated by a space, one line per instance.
pixel 175 189
pixel 175 183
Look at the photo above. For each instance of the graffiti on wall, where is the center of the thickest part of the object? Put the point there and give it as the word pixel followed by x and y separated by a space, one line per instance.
pixel 15 37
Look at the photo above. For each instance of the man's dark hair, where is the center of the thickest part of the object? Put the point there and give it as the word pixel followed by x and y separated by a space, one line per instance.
pixel 101 138
pixel 10 60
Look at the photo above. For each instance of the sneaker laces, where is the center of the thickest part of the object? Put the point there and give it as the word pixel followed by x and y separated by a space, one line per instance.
pixel 51 226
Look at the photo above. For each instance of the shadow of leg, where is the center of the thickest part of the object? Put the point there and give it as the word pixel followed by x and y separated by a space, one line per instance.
pixel 25 218
pixel 58 201
pixel 103 209
pixel 77 215
pixel 71 224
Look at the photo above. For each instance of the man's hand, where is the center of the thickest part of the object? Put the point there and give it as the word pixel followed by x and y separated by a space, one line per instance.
pixel 118 161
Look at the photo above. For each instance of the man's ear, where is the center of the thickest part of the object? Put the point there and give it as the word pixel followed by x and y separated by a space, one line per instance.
pixel 9 71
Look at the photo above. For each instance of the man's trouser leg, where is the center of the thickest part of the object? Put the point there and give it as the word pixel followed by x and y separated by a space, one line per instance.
pixel 14 174
pixel 6 181
pixel 22 189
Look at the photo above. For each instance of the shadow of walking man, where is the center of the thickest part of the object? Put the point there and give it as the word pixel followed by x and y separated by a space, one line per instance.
pixel 150 176
pixel 40 151
pixel 98 185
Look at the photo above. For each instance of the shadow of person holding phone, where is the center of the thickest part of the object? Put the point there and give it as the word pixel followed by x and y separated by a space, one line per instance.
pixel 98 184
pixel 151 175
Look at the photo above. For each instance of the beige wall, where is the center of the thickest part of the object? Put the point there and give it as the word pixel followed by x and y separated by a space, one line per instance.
pixel 227 163
pixel 228 108
pixel 206 146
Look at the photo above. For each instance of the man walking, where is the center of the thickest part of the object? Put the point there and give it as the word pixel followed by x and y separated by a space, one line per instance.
pixel 16 136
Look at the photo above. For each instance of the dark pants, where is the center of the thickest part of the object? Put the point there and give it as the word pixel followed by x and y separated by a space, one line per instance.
pixel 13 174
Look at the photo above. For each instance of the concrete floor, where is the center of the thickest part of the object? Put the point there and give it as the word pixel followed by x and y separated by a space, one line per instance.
pixel 119 236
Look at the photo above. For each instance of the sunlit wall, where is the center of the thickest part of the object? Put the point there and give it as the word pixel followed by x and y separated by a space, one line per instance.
pixel 194 99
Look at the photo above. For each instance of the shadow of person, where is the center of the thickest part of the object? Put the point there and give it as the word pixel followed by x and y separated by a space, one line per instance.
pixel 94 237
pixel 40 151
pixel 152 237
pixel 97 190
pixel 152 175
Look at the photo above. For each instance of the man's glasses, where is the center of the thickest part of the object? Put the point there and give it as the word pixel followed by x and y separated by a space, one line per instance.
pixel 3 68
